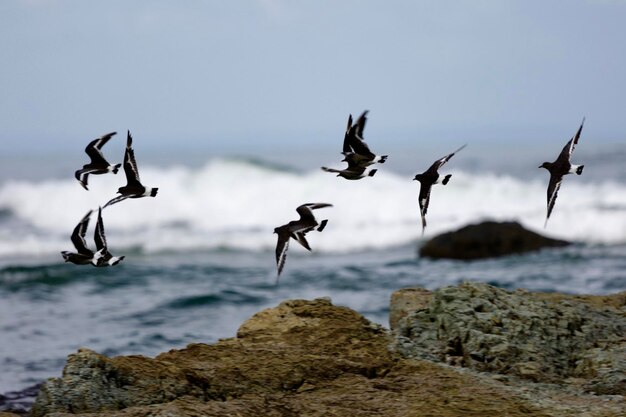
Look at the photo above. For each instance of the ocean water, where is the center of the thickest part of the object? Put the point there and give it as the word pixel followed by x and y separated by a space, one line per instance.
pixel 200 256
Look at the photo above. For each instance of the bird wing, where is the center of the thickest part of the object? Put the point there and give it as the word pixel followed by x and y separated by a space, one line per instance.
pixel 568 149
pixel 78 235
pixel 130 164
pixel 281 251
pixel 439 163
pixel 306 212
pixel 115 200
pixel 94 148
pixel 301 239
pixel 424 200
pixel 99 237
pixel 553 191
pixel 360 124
pixel 346 136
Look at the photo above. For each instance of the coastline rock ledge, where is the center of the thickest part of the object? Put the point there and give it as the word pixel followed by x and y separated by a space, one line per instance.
pixel 448 355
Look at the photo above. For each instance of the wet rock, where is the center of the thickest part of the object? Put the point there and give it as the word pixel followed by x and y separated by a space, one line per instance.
pixel 539 337
pixel 486 240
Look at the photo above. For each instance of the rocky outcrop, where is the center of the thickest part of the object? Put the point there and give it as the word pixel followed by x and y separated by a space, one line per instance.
pixel 303 358
pixel 540 337
pixel 486 240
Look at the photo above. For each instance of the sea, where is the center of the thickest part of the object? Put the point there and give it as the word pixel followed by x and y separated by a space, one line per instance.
pixel 200 256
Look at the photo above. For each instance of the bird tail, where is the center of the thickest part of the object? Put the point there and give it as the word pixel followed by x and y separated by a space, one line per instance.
pixel 372 172
pixel 579 170
pixel 322 225
pixel 116 168
pixel 66 256
pixel 446 179
pixel 382 159
pixel 153 192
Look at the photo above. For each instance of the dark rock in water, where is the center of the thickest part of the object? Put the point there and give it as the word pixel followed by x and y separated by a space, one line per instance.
pixel 18 402
pixel 486 240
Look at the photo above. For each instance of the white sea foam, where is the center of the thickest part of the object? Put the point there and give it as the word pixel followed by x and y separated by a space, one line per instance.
pixel 237 204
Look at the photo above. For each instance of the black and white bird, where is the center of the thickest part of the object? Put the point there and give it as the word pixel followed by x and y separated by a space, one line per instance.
pixel 101 245
pixel 133 187
pixel 561 167
pixel 83 255
pixel 297 229
pixel 98 164
pixel 355 150
pixel 429 178
pixel 353 172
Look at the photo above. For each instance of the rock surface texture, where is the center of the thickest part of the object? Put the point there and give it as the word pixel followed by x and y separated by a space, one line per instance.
pixel 486 240
pixel 541 337
pixel 308 358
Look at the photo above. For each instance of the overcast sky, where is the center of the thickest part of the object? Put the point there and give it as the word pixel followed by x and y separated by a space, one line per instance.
pixel 217 74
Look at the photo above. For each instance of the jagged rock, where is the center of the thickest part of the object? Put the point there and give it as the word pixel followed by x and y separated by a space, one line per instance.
pixel 486 240
pixel 302 358
pixel 541 337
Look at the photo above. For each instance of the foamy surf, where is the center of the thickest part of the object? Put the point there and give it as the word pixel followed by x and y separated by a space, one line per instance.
pixel 236 205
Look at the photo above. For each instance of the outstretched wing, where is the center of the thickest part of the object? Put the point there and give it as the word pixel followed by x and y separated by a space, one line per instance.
pixel 115 200
pixel 568 149
pixel 439 163
pixel 281 251
pixel 346 136
pixel 360 124
pixel 99 237
pixel 553 191
pixel 358 144
pixel 78 235
pixel 94 148
pixel 424 200
pixel 306 213
pixel 130 164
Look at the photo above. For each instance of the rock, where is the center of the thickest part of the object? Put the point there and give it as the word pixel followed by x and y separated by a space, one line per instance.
pixel 540 337
pixel 301 358
pixel 485 240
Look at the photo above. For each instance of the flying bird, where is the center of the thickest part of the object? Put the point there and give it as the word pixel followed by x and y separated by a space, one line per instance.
pixel 427 179
pixel 101 245
pixel 353 172
pixel 98 165
pixel 356 152
pixel 83 255
pixel 297 229
pixel 133 187
pixel 561 167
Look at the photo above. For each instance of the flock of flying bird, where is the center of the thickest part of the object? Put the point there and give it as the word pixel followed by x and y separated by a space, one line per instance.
pixel 356 153
pixel 133 189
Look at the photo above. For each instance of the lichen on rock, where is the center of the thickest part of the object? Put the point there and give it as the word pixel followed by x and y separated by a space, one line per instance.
pixel 532 336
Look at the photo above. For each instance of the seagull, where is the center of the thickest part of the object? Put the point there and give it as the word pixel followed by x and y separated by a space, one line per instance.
pixel 133 187
pixel 561 167
pixel 101 244
pixel 98 164
pixel 297 229
pixel 355 150
pixel 427 179
pixel 84 255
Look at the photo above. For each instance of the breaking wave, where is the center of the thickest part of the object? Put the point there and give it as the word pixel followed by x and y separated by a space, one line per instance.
pixel 235 205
